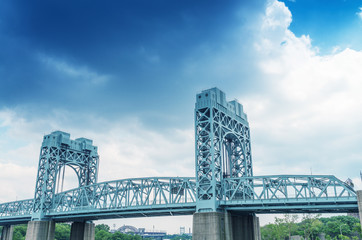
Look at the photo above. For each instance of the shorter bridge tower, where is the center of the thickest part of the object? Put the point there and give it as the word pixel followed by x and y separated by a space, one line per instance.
pixel 57 152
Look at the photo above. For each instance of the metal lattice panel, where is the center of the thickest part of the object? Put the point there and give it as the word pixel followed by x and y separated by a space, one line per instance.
pixel 57 152
pixel 283 193
pixel 222 146
pixel 129 197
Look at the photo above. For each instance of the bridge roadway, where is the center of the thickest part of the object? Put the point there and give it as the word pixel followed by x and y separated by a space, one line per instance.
pixel 143 197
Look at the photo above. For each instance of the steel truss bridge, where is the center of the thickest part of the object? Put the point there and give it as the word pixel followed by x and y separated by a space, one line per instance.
pixel 223 179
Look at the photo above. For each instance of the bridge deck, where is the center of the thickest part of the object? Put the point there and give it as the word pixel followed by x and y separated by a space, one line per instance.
pixel 146 197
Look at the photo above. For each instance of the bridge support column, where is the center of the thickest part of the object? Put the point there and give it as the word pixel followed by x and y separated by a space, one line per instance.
pixel 225 226
pixel 7 232
pixel 359 202
pixel 40 230
pixel 82 231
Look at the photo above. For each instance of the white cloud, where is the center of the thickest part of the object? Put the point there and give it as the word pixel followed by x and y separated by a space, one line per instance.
pixel 359 13
pixel 127 148
pixel 309 117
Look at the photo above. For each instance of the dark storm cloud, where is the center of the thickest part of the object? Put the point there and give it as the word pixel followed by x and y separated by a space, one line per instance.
pixel 137 46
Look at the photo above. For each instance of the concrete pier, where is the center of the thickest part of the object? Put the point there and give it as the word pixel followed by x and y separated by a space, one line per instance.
pixel 82 231
pixel 245 227
pixel 359 202
pixel 40 230
pixel 225 226
pixel 7 232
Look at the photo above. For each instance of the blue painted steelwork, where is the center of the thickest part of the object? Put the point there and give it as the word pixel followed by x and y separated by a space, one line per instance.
pixel 16 212
pixel 145 197
pixel 222 146
pixel 224 179
pixel 128 198
pixel 288 193
pixel 57 152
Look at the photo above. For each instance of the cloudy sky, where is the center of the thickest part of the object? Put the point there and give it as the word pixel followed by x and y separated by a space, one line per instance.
pixel 125 74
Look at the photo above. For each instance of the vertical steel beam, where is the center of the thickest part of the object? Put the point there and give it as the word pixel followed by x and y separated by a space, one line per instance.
pixel 222 146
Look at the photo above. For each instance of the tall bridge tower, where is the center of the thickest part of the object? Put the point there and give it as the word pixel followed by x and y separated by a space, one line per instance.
pixel 222 146
pixel 222 151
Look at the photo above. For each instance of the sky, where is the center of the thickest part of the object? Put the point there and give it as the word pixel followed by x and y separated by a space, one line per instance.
pixel 125 74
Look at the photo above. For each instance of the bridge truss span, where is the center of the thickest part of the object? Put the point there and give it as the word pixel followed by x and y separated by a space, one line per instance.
pixel 128 198
pixel 17 211
pixel 289 193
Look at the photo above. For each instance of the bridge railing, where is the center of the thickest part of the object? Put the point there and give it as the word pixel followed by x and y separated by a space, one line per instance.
pixel 127 193
pixel 16 208
pixel 286 187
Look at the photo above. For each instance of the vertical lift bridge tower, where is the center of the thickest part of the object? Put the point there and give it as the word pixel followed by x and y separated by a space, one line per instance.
pixel 222 150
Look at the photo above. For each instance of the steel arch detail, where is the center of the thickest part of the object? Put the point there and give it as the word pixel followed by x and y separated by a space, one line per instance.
pixel 58 151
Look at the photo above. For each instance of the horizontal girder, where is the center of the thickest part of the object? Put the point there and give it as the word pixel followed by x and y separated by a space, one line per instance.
pixel 288 193
pixel 143 197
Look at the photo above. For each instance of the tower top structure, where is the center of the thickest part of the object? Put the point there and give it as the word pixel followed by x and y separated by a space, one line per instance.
pixel 218 98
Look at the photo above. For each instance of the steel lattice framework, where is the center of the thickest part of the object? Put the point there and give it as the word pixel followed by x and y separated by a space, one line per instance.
pixel 222 146
pixel 224 179
pixel 288 193
pixel 57 152
pixel 144 197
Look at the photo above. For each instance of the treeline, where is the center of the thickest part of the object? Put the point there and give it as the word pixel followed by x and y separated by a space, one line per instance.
pixel 178 237
pixel 62 232
pixel 312 227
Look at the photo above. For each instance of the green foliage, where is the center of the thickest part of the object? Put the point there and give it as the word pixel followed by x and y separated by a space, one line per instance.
pixel 19 232
pixel 268 232
pixel 62 231
pixel 312 226
pixel 280 228
pixel 178 237
pixel 103 227
pixel 102 235
pixel 290 221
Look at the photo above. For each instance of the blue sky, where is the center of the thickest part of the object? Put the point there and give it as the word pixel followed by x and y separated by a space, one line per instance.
pixel 125 74
pixel 329 23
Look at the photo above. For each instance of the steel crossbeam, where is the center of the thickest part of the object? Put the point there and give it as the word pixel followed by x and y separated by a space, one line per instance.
pixel 16 208
pixel 142 197
pixel 128 193
pixel 289 193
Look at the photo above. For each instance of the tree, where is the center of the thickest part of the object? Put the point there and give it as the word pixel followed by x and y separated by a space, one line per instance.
pixel 291 223
pixel 103 227
pixel 356 228
pixel 268 232
pixel 62 231
pixel 311 226
pixel 19 232
pixel 281 230
pixel 103 235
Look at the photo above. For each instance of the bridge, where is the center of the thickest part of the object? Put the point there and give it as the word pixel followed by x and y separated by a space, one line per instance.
pixel 223 197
